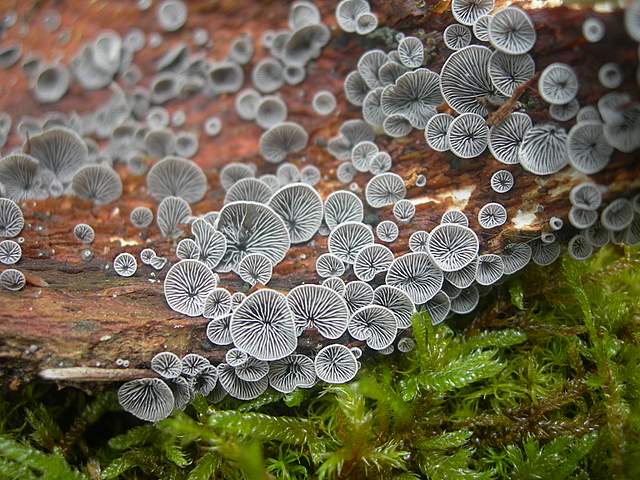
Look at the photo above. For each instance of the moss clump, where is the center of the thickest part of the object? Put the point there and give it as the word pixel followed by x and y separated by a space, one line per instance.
pixel 542 383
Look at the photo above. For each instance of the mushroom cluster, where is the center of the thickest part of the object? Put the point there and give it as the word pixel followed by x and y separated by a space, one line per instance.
pixel 366 292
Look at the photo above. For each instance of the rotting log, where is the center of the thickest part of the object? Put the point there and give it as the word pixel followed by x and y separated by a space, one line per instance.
pixel 77 313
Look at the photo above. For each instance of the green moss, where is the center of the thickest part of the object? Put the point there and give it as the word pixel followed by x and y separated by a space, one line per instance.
pixel 543 382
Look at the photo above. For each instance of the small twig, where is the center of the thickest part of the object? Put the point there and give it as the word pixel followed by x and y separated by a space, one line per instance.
pixel 497 117
pixel 90 374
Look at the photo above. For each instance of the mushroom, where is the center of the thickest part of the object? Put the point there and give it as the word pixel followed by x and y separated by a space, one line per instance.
pixel 177 177
pixel 97 183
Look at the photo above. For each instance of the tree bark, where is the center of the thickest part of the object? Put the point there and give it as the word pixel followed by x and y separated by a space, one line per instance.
pixel 79 313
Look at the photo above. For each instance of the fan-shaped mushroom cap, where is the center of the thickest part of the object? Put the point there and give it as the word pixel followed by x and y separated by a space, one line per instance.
pixel 490 269
pixel 335 283
pixel 342 206
pixel 125 264
pixel 456 217
pixel 218 330
pixel 232 172
pixel 453 247
pixel 318 307
pixel 593 29
pixel 148 399
pixel 544 254
pixel 177 177
pixel 369 66
pixel 51 83
pixel 60 150
pixel 281 140
pixel 10 252
pixel 505 138
pixel 347 239
pixel 252 369
pixel 582 218
pixel 328 265
pixel 610 75
pixel 167 365
pixel 564 113
pixel 301 209
pixel 355 88
pixel 470 63
pixel 268 75
pixel 171 15
pixel 248 190
pixel 411 52
pixel 502 181
pixel 97 183
pixel 543 150
pixel 225 77
pixel 84 233
pixel 492 215
pixel 263 326
pixel 217 304
pixel 160 142
pixel 397 126
pixel 187 286
pixel 305 43
pixel 512 31
pixel 387 231
pixel 241 49
pixel 374 324
pixel 335 363
pixel 515 256
pixel 468 135
pixel 618 215
pixel 19 175
pixel 9 55
pixel 347 13
pixel 467 301
pixel 271 110
pixel 385 189
pixel 238 388
pixel 438 308
pixel 404 210
pixel 418 241
pixel 288 373
pixel 324 102
pixel 623 132
pixel 436 130
pixel 186 144
pixel 172 212
pixel 586 195
pixel 558 84
pixel 12 280
pixel 246 103
pixel 11 218
pixel 303 13
pixel 508 72
pixel 417 275
pixel 579 247
pixel 252 228
pixel 468 12
pixel 414 95
pixel 366 23
pixel 255 268
pixel 456 36
pixel 632 20
pixel 481 28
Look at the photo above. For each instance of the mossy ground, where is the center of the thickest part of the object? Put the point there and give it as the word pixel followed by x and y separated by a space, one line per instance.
pixel 542 382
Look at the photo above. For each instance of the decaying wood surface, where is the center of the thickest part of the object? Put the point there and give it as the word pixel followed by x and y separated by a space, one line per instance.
pixel 78 313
